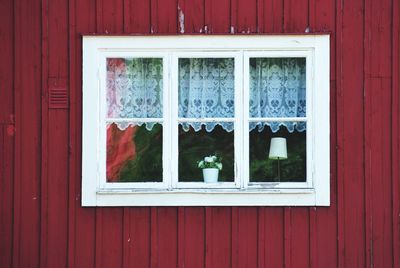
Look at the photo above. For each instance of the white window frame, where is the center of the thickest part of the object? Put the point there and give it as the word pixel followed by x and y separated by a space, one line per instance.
pixel 97 192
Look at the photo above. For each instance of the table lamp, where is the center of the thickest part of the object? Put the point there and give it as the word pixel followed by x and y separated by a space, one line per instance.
pixel 278 151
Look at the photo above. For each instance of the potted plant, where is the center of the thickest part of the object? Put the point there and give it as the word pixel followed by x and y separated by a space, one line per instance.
pixel 211 165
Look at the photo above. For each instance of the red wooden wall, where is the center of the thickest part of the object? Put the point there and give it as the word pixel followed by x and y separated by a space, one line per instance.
pixel 41 221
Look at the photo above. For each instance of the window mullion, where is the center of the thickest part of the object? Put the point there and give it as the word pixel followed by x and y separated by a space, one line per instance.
pixel 173 112
pixel 245 112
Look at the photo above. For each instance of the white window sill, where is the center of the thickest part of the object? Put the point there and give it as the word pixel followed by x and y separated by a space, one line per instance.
pixel 209 197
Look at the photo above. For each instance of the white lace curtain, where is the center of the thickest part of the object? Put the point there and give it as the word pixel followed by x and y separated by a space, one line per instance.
pixel 278 89
pixel 206 90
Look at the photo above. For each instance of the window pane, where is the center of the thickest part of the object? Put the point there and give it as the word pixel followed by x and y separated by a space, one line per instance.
pixel 271 164
pixel 134 154
pixel 195 145
pixel 134 87
pixel 206 87
pixel 277 87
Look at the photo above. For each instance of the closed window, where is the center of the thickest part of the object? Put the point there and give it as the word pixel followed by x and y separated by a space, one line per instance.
pixel 205 120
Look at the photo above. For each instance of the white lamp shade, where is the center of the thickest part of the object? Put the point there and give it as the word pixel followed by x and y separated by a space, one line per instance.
pixel 278 149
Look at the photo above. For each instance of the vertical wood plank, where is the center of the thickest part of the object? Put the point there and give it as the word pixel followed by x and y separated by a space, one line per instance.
pixel 395 132
pixel 218 237
pixel 164 16
pixel 295 16
pixel 273 227
pixel 218 16
pixel 323 221
pixel 54 181
pixel 164 237
pixel 137 237
pixel 7 128
pixel 109 233
pixel 272 16
pixel 82 19
pixel 247 237
pixel 339 132
pixel 191 16
pixel 26 242
pixel 137 17
pixel 244 16
pixel 7 63
pixel 109 16
pixel 6 194
pixel 377 79
pixel 191 234
pixel 351 128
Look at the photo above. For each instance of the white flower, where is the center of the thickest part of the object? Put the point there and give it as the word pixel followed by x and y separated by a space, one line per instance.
pixel 209 159
pixel 219 166
pixel 214 158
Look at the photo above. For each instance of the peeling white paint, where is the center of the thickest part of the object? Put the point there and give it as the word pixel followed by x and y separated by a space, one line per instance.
pixel 232 29
pixel 205 29
pixel 181 17
pixel 307 30
pixel 151 29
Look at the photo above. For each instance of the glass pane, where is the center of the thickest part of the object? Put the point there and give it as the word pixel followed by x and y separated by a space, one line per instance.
pixel 277 87
pixel 134 87
pixel 195 145
pixel 206 87
pixel 134 154
pixel 277 162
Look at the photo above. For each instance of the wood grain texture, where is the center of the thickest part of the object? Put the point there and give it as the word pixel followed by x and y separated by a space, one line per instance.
pixel 81 236
pixel 7 131
pixel 27 169
pixel 41 221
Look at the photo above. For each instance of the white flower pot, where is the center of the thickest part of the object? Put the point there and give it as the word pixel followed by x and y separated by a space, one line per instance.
pixel 210 175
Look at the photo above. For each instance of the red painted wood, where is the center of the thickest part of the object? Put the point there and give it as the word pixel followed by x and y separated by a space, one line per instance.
pixel 164 237
pixel 377 144
pixel 109 15
pixel 7 129
pixel 6 194
pixel 191 16
pixel 270 18
pixel 244 16
pixel 136 237
pixel 137 16
pixel 295 16
pixel 27 76
pixel 82 220
pixel 395 132
pixel 245 235
pixel 109 243
pixel 54 182
pixel 6 68
pixel 352 132
pixel 271 223
pixel 323 221
pixel 339 132
pixel 218 237
pixel 191 237
pixel 217 16
pixel 164 17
